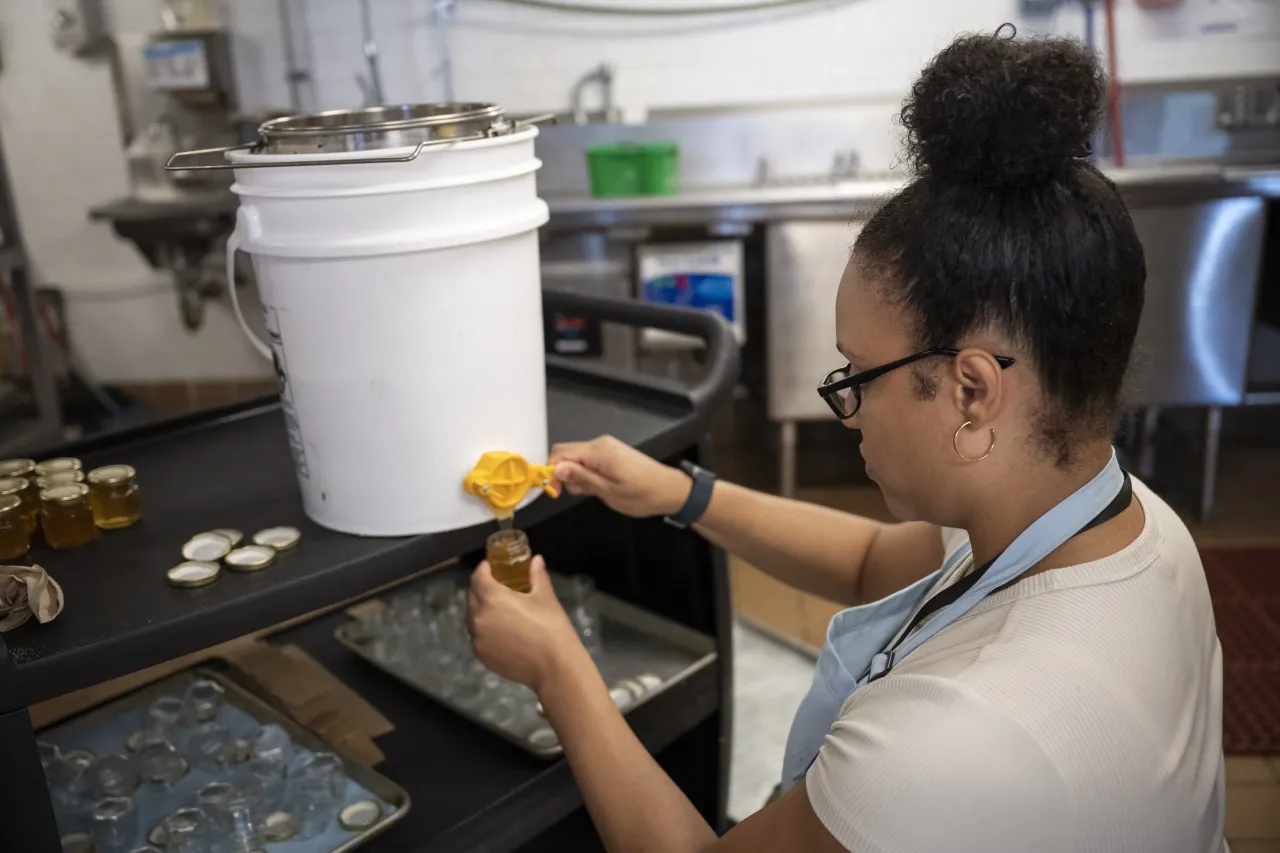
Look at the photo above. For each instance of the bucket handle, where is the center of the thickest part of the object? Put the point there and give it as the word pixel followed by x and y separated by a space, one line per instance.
pixel 179 161
pixel 233 244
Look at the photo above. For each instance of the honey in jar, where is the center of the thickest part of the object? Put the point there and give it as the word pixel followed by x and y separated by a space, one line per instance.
pixel 59 478
pixel 26 493
pixel 57 466
pixel 509 557
pixel 14 538
pixel 17 468
pixel 66 516
pixel 113 493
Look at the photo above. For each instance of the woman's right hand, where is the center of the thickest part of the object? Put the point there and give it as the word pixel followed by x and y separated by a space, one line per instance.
pixel 628 481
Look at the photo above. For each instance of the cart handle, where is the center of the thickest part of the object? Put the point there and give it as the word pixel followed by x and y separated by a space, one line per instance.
pixel 711 327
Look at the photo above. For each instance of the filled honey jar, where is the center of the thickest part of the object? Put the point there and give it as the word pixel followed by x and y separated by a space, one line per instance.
pixel 113 494
pixel 17 468
pixel 509 557
pixel 59 478
pixel 57 466
pixel 14 538
pixel 66 517
pixel 21 488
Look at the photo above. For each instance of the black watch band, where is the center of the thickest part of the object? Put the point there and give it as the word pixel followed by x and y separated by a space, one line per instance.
pixel 699 496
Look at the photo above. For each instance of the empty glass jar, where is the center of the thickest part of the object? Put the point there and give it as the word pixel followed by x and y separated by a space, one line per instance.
pixel 114 824
pixel 66 516
pixel 186 831
pixel 113 492
pixel 165 724
pixel 205 699
pixel 584 612
pixel 318 787
pixel 113 776
pixel 162 766
pixel 215 801
pixel 15 540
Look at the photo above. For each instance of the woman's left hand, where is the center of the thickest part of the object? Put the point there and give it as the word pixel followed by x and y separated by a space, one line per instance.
pixel 520 636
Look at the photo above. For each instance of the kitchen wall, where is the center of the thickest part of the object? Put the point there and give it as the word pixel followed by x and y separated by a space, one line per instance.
pixel 59 123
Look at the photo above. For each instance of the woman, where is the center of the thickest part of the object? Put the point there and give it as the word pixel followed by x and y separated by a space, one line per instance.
pixel 1040 670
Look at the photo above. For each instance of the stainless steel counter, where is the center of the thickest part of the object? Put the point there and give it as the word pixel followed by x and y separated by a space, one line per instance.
pixel 851 199
pixel 1202 227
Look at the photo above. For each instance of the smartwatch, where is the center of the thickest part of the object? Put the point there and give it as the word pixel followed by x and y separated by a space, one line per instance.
pixel 699 497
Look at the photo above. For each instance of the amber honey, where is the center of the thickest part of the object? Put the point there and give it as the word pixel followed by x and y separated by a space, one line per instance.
pixel 113 494
pixel 509 557
pixel 66 517
pixel 21 488
pixel 14 538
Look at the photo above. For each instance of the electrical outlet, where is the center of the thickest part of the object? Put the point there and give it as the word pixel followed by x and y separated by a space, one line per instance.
pixel 77 26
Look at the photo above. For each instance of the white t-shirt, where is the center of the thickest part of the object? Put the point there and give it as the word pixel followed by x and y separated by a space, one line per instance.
pixel 1077 710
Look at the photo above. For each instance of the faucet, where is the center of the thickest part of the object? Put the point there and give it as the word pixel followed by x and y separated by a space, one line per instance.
pixel 603 75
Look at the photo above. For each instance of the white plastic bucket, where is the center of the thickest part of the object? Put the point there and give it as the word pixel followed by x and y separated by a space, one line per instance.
pixel 403 305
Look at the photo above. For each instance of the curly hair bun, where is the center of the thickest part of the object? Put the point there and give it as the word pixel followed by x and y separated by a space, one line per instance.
pixel 1003 112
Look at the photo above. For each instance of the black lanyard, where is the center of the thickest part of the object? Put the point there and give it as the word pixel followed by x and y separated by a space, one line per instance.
pixel 1118 505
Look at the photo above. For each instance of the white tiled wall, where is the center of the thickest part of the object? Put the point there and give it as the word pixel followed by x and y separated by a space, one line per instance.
pixel 59 126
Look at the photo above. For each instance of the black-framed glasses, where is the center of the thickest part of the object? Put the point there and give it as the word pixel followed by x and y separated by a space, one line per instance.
pixel 843 390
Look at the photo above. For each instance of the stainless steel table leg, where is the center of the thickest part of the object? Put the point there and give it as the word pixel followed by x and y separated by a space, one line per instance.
pixel 1146 442
pixel 787 470
pixel 1209 480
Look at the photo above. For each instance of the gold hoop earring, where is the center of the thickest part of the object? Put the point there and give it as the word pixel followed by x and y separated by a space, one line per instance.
pixel 955 442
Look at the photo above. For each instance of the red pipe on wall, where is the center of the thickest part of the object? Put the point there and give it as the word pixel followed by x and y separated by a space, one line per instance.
pixel 1113 87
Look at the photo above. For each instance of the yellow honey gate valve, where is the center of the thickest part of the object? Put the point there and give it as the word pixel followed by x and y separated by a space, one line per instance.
pixel 502 479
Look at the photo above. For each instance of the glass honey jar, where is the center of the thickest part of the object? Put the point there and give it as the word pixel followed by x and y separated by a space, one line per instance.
pixel 59 478
pixel 113 493
pixel 509 557
pixel 57 466
pixel 66 516
pixel 27 495
pixel 14 537
pixel 17 468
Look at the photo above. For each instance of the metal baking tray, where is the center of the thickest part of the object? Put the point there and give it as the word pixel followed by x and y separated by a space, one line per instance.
pixel 635 642
pixel 104 728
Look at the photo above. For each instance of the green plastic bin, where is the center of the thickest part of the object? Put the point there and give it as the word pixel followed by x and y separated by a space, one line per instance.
pixel 628 169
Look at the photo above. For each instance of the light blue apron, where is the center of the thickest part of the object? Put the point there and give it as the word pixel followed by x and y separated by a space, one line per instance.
pixel 857 638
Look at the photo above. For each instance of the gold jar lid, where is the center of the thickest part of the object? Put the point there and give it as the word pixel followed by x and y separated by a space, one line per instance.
pixel 17 467
pixel 13 485
pixel 278 827
pixel 77 842
pixel 361 814
pixel 194 573
pixel 68 493
pixel 206 547
pixel 52 466
pixel 250 558
pixel 9 504
pixel 280 538
pixel 235 537
pixel 109 475
pixel 59 478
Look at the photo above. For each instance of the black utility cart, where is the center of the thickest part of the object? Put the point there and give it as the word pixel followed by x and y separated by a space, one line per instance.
pixel 470 790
